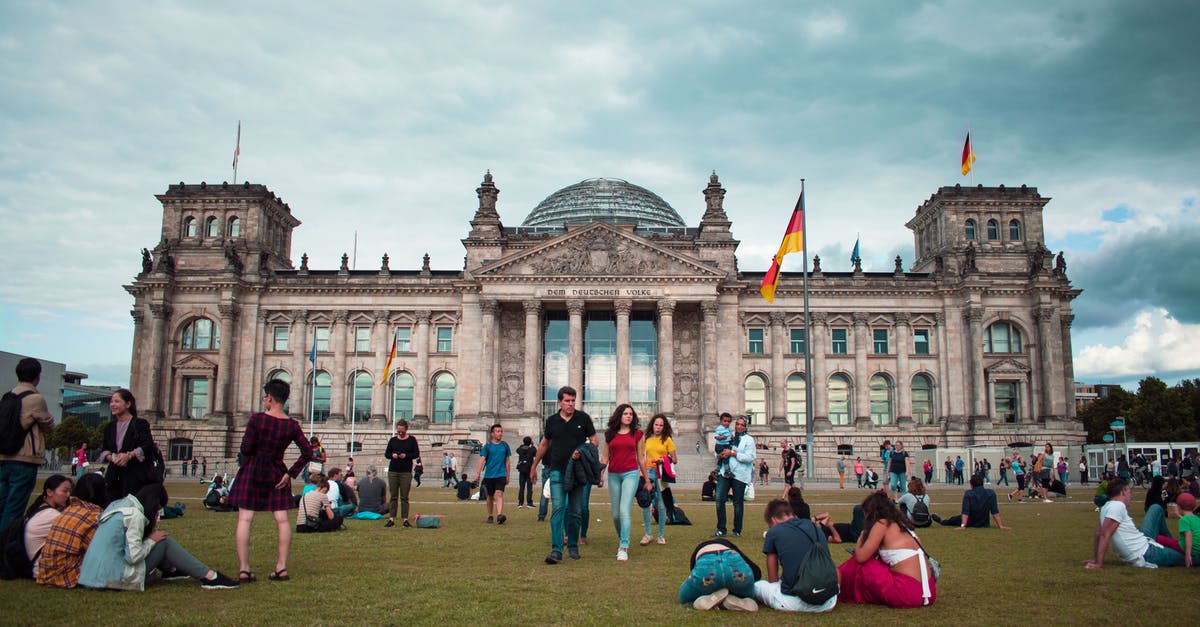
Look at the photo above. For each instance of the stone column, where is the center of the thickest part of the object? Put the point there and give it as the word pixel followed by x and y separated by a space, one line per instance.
pixel 1031 405
pixel 338 403
pixel 973 317
pixel 487 357
pixel 533 353
pixel 227 312
pixel 942 391
pixel 903 375
pixel 155 397
pixel 1068 379
pixel 709 309
pixel 623 308
pixel 298 338
pixel 862 377
pixel 777 414
pixel 422 384
pixel 1049 338
pixel 666 357
pixel 575 310
pixel 136 381
pixel 816 341
pixel 380 337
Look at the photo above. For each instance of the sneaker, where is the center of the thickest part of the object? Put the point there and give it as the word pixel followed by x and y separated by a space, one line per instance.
pixel 736 534
pixel 739 604
pixel 661 540
pixel 406 523
pixel 622 555
pixel 490 520
pixel 500 519
pixel 583 541
pixel 647 539
pixel 220 582
pixel 709 601
pixel 1010 498
pixel 573 553
pixel 173 574
pixel 716 534
pixel 554 557
pixel 390 523
pixel 541 519
pixel 1047 501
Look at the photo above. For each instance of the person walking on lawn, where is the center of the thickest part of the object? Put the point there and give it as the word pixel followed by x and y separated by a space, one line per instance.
pixel 494 465
pixel 562 433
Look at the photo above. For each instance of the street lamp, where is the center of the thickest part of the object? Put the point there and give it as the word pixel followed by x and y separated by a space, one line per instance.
pixel 1119 425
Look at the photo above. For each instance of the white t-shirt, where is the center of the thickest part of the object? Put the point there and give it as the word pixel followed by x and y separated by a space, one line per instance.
pixel 1127 540
pixel 335 494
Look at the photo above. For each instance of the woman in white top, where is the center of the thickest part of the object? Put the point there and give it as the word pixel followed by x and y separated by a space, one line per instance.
pixel 56 492
pixel 889 567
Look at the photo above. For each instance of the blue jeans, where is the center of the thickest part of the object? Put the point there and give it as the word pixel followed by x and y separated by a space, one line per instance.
pixel 543 502
pixel 898 482
pixel 1154 525
pixel 621 488
pixel 566 512
pixel 713 571
pixel 16 484
pixel 739 502
pixel 585 512
pixel 652 473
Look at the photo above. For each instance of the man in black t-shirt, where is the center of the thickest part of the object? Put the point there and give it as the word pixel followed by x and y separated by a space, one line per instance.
pixel 525 454
pixel 977 504
pixel 563 432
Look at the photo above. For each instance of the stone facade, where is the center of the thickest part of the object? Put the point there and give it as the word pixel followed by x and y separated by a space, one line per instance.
pixel 971 346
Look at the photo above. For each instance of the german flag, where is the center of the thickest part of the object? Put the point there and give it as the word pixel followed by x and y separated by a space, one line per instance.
pixel 387 369
pixel 793 242
pixel 968 156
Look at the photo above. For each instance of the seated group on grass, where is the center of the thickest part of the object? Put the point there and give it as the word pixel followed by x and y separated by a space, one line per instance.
pixel 1148 546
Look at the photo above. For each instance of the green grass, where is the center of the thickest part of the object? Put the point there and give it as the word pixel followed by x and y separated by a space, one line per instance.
pixel 470 571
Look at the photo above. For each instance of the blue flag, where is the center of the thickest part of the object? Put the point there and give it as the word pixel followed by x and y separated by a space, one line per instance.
pixel 312 355
pixel 854 255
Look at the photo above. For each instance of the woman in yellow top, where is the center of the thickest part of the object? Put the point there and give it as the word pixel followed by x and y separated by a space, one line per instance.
pixel 658 445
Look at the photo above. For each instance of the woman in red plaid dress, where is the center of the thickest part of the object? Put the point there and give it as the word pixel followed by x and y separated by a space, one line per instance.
pixel 263 483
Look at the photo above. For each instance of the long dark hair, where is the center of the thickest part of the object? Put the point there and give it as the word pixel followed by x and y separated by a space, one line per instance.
pixel 92 488
pixel 876 507
pixel 152 496
pixel 614 423
pixel 666 432
pixel 1154 494
pixel 51 484
pixel 127 396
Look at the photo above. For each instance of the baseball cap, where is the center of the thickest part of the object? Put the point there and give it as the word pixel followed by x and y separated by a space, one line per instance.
pixel 1186 501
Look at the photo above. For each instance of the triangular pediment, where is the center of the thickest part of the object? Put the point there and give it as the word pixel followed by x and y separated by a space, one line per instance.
pixel 1008 367
pixel 195 363
pixel 599 249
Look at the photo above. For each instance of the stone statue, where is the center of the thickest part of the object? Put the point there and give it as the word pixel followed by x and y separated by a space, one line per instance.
pixel 235 262
pixel 816 263
pixel 304 262
pixel 147 262
pixel 899 265
pixel 384 265
pixel 1060 264
pixel 1037 261
pixel 971 267
pixel 345 263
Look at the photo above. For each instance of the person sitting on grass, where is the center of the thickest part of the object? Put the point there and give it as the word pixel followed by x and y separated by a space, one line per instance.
pixel 465 488
pixel 72 532
pixel 889 566
pixel 977 504
pixel 315 504
pixel 721 576
pixel 217 498
pixel 1144 547
pixel 786 545
pixel 708 490
pixel 916 494
pixel 1189 525
pixel 372 492
pixel 341 497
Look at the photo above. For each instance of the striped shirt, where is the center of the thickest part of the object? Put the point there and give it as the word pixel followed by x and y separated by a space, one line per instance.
pixel 66 543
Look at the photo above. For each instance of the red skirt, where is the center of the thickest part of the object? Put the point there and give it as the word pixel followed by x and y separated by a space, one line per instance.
pixel 874 583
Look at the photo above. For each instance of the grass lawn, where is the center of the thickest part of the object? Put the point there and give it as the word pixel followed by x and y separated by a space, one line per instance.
pixel 471 571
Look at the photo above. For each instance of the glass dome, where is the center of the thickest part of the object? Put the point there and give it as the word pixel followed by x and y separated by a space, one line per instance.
pixel 603 200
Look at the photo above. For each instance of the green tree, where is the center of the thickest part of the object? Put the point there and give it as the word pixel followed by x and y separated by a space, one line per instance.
pixel 1099 413
pixel 1190 389
pixel 70 433
pixel 1160 414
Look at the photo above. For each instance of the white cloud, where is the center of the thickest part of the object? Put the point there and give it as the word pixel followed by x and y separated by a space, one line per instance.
pixel 1157 343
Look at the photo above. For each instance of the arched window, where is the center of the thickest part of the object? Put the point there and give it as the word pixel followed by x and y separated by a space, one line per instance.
pixel 797 399
pixel 282 375
pixel 201 335
pixel 756 399
pixel 189 227
pixel 839 400
pixel 359 407
pixel 970 227
pixel 993 230
pixel 212 227
pixel 1014 230
pixel 882 407
pixel 320 395
pixel 1002 337
pixel 922 400
pixel 443 399
pixel 402 396
pixel 235 227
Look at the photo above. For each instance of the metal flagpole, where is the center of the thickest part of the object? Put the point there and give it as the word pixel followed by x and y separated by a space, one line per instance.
pixel 808 388
pixel 313 394
pixel 354 405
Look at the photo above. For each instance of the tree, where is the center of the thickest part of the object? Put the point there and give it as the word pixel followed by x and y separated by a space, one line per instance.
pixel 1099 413
pixel 1190 389
pixel 1160 414
pixel 70 433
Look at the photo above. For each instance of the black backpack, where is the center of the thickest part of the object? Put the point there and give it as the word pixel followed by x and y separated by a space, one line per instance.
pixel 677 517
pixel 920 513
pixel 816 578
pixel 12 434
pixel 14 561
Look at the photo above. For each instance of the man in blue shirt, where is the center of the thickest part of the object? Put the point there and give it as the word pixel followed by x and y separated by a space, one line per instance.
pixel 493 464
pixel 977 504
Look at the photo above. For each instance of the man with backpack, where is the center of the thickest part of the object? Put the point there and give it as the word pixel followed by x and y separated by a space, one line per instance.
pixel 24 422
pixel 801 576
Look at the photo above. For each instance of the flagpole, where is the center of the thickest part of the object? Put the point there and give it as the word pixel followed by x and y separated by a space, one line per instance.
pixel 354 405
pixel 237 151
pixel 808 393
pixel 313 394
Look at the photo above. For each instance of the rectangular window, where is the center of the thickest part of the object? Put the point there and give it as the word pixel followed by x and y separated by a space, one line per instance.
pixel 403 340
pixel 1007 401
pixel 839 341
pixel 881 341
pixel 756 342
pixel 921 341
pixel 281 339
pixel 322 339
pixel 799 341
pixel 195 402
pixel 362 339
pixel 445 339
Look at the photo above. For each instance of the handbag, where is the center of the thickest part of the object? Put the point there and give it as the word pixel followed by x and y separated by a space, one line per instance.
pixel 749 494
pixel 428 521
pixel 666 470
pixel 310 522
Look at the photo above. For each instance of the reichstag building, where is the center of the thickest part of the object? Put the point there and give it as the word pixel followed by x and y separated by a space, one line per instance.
pixel 603 286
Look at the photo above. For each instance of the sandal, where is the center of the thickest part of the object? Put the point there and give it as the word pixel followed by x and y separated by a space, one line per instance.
pixel 279 575
pixel 246 576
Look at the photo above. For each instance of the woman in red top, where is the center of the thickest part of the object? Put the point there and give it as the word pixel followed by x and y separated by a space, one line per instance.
pixel 623 457
pixel 264 484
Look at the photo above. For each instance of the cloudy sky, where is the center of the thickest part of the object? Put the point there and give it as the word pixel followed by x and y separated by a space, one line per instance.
pixel 382 121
